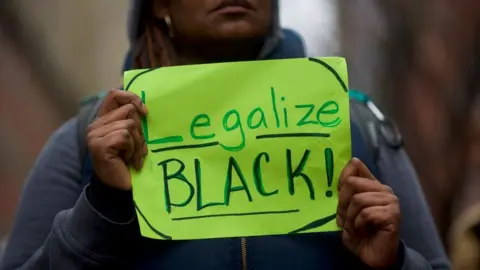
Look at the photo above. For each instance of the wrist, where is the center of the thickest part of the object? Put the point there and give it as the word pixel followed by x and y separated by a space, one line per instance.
pixel 399 258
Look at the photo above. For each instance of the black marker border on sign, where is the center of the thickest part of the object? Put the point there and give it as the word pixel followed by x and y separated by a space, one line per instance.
pixel 312 225
pixel 332 70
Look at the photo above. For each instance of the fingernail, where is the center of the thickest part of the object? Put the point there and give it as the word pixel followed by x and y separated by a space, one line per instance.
pixel 137 165
pixel 144 108
pixel 339 220
pixel 356 161
pixel 339 223
pixel 145 148
pixel 140 164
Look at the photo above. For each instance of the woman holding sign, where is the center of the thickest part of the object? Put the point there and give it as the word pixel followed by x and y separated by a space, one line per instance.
pixel 70 218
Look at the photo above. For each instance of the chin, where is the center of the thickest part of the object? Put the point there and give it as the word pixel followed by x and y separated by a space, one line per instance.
pixel 239 30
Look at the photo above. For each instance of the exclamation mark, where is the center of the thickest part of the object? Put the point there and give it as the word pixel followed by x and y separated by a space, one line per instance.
pixel 329 170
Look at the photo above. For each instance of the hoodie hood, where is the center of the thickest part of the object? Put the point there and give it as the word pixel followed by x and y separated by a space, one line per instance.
pixel 279 43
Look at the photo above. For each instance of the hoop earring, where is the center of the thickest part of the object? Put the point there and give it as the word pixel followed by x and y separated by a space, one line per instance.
pixel 168 21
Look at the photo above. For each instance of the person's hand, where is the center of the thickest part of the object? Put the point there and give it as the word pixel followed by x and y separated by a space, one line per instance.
pixel 115 139
pixel 369 214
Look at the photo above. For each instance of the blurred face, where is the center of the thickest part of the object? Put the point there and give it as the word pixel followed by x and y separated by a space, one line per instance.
pixel 217 19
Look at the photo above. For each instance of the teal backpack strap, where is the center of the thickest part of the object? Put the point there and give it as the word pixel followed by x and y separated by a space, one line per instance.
pixel 374 126
pixel 87 114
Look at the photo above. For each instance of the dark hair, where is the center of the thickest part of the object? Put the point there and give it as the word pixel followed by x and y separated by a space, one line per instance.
pixel 153 46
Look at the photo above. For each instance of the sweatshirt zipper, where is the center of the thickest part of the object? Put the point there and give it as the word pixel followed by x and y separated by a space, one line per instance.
pixel 243 246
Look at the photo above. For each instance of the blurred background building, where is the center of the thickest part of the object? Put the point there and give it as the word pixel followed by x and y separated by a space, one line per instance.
pixel 420 60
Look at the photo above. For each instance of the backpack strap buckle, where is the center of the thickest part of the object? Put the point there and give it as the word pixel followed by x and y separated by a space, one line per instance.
pixel 386 126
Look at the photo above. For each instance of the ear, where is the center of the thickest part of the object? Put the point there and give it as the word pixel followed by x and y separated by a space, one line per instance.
pixel 160 8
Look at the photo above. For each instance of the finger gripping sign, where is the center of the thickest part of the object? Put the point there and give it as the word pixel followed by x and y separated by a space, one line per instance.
pixel 241 149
